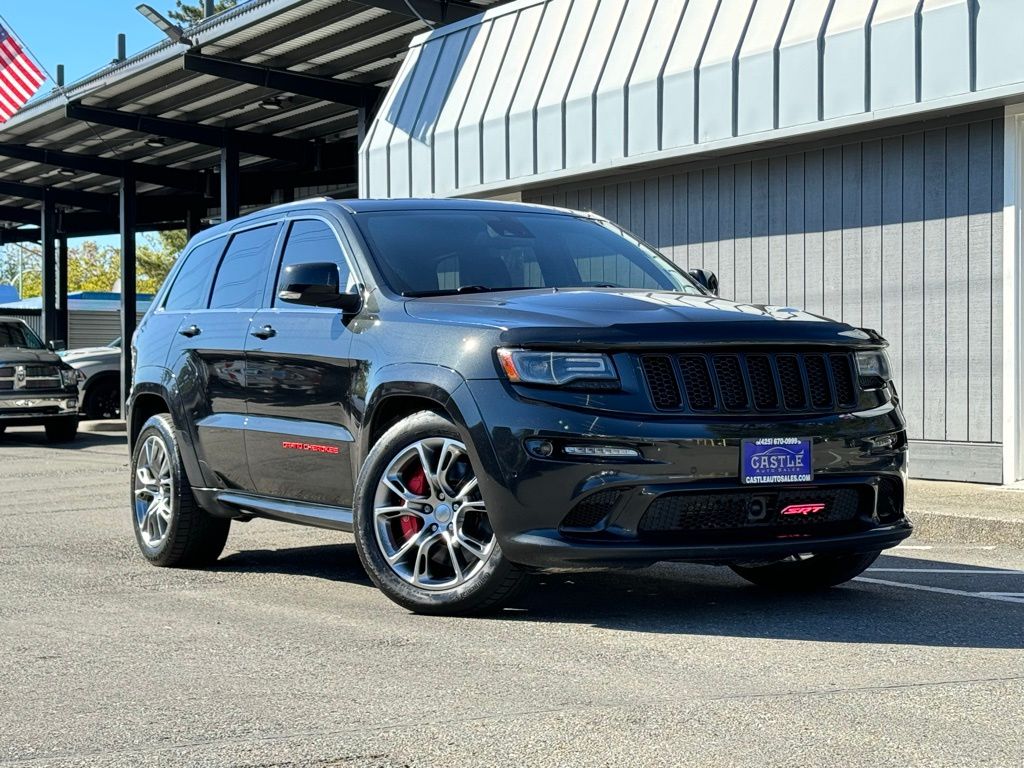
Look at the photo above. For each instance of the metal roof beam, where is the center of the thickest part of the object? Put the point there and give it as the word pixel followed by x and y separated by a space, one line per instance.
pixel 105 166
pixel 323 88
pixel 90 200
pixel 293 150
pixel 435 11
pixel 18 215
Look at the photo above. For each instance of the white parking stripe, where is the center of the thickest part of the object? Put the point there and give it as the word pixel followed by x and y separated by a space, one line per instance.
pixel 943 590
pixel 976 571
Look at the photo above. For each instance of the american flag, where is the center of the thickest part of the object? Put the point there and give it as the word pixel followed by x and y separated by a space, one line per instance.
pixel 20 78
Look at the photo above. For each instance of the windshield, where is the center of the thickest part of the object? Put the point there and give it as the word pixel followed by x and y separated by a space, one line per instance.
pixel 14 333
pixel 431 253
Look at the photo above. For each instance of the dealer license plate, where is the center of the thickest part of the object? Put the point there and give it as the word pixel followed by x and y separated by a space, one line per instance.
pixel 768 460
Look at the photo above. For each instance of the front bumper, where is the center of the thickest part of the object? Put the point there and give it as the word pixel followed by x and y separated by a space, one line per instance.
pixel 28 409
pixel 532 500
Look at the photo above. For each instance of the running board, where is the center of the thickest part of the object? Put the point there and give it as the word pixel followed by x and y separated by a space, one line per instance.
pixel 303 513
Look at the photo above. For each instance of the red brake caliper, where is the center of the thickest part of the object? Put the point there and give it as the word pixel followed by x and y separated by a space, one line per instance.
pixel 410 524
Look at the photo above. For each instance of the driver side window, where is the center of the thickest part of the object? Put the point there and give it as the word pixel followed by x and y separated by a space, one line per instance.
pixel 311 240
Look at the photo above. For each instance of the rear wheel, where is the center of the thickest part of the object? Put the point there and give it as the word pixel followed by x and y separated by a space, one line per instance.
pixel 808 572
pixel 62 430
pixel 170 527
pixel 103 398
pixel 421 523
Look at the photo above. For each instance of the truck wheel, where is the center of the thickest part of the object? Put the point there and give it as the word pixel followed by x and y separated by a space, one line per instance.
pixel 103 399
pixel 61 430
pixel 421 525
pixel 170 527
pixel 806 573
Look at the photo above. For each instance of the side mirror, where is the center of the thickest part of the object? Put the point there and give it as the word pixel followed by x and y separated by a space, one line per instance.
pixel 317 285
pixel 56 345
pixel 706 278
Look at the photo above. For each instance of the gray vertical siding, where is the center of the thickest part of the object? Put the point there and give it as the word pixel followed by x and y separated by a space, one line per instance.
pixel 901 233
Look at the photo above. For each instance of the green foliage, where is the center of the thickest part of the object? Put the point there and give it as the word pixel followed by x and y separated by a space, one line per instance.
pixel 189 13
pixel 155 258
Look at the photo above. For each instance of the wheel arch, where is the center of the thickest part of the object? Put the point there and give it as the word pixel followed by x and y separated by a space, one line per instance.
pixel 152 394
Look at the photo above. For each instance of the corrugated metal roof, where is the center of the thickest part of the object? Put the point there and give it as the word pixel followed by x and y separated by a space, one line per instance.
pixel 539 90
pixel 342 39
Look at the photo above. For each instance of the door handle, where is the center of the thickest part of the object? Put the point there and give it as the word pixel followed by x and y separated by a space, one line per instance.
pixel 192 330
pixel 266 332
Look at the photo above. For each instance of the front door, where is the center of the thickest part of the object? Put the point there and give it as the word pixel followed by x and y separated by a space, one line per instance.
pixel 298 433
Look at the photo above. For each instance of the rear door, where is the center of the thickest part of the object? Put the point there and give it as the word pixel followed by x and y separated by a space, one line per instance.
pixel 209 361
pixel 299 430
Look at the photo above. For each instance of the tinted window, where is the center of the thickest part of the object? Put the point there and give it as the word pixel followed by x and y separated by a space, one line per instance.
pixel 312 241
pixel 18 335
pixel 432 252
pixel 243 270
pixel 192 285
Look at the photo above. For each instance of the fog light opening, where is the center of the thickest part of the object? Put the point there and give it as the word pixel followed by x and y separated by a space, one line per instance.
pixel 542 448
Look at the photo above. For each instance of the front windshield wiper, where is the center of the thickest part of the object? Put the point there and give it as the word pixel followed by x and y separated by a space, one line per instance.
pixel 469 289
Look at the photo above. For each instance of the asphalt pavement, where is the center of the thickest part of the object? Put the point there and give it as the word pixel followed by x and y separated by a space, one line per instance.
pixel 285 655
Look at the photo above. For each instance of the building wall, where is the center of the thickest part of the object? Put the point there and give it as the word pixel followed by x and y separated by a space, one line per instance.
pixel 898 231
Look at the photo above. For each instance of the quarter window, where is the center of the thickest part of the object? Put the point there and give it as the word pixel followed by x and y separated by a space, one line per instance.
pixel 192 284
pixel 311 241
pixel 243 270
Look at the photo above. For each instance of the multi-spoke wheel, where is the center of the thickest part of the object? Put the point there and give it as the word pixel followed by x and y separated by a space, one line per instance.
pixel 422 525
pixel 170 528
pixel 154 488
pixel 807 572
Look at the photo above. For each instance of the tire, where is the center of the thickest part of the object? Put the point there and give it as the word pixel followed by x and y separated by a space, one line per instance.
pixel 455 528
pixel 103 398
pixel 61 430
pixel 813 573
pixel 177 532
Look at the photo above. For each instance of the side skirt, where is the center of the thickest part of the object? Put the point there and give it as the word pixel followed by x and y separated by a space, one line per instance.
pixel 317 515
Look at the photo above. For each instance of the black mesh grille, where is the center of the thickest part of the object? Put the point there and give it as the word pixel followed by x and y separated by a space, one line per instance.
pixel 817 379
pixel 842 378
pixel 662 381
pixel 744 382
pixel 730 383
pixel 6 373
pixel 730 510
pixel 41 370
pixel 592 510
pixel 793 393
pixel 697 381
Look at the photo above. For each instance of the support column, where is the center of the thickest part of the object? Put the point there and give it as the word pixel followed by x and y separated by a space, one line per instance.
pixel 63 311
pixel 194 221
pixel 48 239
pixel 127 216
pixel 229 183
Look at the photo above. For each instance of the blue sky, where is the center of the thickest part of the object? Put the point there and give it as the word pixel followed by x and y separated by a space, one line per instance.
pixel 80 34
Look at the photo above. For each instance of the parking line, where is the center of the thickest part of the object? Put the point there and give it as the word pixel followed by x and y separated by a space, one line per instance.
pixel 981 572
pixel 943 591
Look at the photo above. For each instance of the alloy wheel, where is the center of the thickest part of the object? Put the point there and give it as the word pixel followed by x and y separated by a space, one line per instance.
pixel 154 489
pixel 429 516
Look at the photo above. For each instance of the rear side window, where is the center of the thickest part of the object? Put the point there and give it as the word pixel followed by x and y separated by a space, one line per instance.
pixel 243 270
pixel 192 285
pixel 312 241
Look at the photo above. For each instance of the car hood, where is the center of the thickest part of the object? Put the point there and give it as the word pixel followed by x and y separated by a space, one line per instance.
pixel 89 354
pixel 631 317
pixel 18 356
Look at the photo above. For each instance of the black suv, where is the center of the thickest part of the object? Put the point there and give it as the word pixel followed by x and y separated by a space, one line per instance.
pixel 476 390
pixel 36 386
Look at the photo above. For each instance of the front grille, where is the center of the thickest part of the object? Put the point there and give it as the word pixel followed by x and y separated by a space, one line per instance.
pixel 734 510
pixel 746 382
pixel 592 510
pixel 29 377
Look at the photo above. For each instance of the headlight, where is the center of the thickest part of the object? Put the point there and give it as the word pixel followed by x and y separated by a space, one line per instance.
pixel 70 377
pixel 522 366
pixel 873 367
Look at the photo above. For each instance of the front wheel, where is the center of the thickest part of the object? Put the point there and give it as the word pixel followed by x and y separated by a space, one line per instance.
pixel 808 572
pixel 103 398
pixel 421 524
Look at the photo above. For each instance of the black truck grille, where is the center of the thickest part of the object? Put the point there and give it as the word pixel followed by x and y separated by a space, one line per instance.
pixel 746 382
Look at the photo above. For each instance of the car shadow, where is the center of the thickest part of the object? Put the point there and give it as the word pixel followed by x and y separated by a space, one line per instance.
pixel 673 598
pixel 334 562
pixel 36 436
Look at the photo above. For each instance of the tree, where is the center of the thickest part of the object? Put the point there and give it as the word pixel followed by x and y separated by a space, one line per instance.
pixel 189 13
pixel 155 258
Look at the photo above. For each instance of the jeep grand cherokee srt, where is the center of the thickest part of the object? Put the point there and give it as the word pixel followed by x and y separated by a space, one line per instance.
pixel 36 386
pixel 476 390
